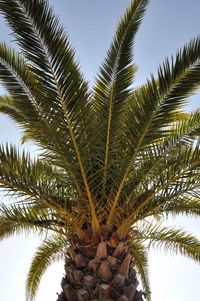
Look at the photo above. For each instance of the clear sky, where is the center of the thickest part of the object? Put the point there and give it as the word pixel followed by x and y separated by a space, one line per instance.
pixel 167 25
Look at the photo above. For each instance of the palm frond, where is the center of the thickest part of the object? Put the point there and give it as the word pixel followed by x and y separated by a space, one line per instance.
pixel 32 180
pixel 27 105
pixel 152 107
pixel 51 250
pixel 16 219
pixel 172 240
pixel 44 43
pixel 159 156
pixel 141 264
pixel 178 175
pixel 46 46
pixel 182 204
pixel 112 87
pixel 160 99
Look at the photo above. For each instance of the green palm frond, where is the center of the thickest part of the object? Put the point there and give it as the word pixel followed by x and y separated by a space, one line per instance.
pixel 172 240
pixel 8 108
pixel 51 250
pixel 161 98
pixel 184 204
pixel 152 107
pixel 32 180
pixel 24 106
pixel 158 157
pixel 15 219
pixel 46 46
pixel 141 263
pixel 21 84
pixel 113 83
pixel 178 174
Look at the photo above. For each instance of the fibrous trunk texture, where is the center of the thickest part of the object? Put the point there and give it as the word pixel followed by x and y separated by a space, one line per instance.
pixel 99 267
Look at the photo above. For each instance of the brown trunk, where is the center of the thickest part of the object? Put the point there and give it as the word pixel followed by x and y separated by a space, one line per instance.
pixel 99 268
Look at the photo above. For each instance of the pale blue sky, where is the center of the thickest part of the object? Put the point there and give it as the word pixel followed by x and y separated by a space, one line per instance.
pixel 167 25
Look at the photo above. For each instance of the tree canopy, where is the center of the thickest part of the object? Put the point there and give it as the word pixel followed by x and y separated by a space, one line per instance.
pixel 116 154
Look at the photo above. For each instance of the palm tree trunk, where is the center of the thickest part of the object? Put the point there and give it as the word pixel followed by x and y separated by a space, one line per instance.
pixel 99 268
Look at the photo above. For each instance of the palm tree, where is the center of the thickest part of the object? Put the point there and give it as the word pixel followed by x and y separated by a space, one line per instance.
pixel 114 161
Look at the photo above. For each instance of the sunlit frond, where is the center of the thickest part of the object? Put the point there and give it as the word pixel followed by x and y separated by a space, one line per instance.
pixel 141 263
pixel 16 219
pixel 51 250
pixel 172 240
pixel 112 88
pixel 152 107
pixel 33 180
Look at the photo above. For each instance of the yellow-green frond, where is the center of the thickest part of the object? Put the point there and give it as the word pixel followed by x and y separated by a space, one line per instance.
pixel 141 263
pixel 51 250
pixel 172 240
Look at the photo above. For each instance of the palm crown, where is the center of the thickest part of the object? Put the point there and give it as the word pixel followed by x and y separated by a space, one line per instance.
pixel 114 155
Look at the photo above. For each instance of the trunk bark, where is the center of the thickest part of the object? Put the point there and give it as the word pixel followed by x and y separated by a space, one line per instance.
pixel 99 267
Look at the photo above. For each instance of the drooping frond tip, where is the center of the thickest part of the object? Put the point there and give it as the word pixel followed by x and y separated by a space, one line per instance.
pixel 50 251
